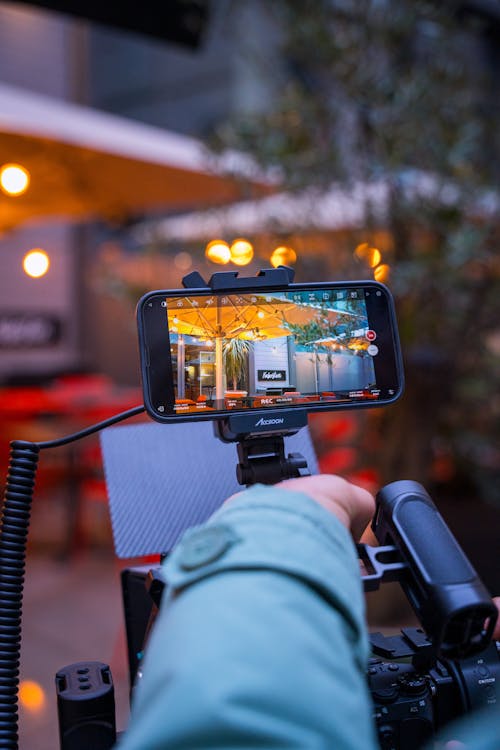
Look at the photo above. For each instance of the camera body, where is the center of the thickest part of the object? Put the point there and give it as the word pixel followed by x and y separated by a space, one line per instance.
pixel 403 704
pixel 413 698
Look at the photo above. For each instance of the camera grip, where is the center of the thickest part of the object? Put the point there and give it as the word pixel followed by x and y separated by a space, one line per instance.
pixel 445 591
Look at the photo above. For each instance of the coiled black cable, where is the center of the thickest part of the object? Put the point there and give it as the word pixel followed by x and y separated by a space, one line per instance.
pixel 16 513
pixel 15 524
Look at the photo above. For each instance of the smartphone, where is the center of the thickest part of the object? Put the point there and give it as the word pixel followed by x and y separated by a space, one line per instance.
pixel 206 354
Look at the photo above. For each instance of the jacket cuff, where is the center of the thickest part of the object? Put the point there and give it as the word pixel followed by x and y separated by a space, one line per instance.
pixel 268 528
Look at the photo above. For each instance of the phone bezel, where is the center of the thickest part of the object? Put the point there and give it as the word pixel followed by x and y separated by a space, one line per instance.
pixel 163 366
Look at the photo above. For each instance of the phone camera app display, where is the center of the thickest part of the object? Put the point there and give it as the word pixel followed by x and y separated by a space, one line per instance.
pixel 249 351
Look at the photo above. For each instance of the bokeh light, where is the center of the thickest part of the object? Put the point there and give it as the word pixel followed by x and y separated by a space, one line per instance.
pixel 283 256
pixel 381 273
pixel 183 261
pixel 31 696
pixel 370 255
pixel 218 252
pixel 36 263
pixel 14 179
pixel 241 252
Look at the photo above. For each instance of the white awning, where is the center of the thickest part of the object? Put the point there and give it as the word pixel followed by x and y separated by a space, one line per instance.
pixel 312 210
pixel 309 210
pixel 86 163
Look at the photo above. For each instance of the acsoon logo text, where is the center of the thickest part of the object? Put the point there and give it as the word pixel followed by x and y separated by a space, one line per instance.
pixel 264 422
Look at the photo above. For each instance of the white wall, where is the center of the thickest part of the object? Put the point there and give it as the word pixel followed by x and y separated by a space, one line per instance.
pixel 347 372
pixel 271 355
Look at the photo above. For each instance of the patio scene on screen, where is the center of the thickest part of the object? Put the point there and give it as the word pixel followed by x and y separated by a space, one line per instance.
pixel 256 350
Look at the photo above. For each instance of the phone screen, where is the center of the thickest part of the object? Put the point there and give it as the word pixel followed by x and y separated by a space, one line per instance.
pixel 314 346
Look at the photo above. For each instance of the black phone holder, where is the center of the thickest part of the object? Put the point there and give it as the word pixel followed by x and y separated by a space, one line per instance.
pixel 228 281
pixel 260 440
pixel 261 454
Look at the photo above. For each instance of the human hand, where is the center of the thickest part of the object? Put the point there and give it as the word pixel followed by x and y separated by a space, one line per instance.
pixel 352 505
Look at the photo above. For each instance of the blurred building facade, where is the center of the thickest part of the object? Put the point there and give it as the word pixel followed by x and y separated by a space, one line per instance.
pixel 166 82
pixel 37 54
pixel 157 79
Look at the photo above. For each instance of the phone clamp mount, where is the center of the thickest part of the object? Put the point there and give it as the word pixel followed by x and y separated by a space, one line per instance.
pixel 261 447
pixel 230 281
pixel 260 441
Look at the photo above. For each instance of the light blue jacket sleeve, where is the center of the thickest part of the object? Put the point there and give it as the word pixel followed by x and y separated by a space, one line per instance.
pixel 260 641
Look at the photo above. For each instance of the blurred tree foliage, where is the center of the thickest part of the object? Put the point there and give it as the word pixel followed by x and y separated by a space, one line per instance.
pixel 402 94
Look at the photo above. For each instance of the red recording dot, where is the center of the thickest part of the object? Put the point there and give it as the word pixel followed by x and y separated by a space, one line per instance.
pixel 371 335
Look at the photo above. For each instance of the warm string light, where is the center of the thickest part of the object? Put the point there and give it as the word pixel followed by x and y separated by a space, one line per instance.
pixel 241 253
pixel 36 263
pixel 283 256
pixel 370 255
pixel 218 252
pixel 14 179
pixel 382 272
pixel 373 258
